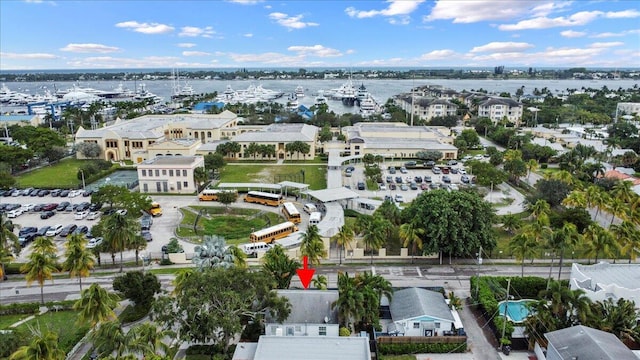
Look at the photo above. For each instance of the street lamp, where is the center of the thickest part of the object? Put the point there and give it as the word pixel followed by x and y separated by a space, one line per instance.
pixel 82 173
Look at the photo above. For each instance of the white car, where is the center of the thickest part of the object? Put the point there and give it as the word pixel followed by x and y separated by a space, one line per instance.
pixel 54 230
pixel 383 187
pixel 74 193
pixel 81 214
pixel 478 157
pixel 14 213
pixel 93 215
pixel 28 207
pixel 462 171
pixel 93 242
pixel 399 198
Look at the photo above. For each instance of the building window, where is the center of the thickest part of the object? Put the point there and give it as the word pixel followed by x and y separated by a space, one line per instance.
pixel 416 325
pixel 144 172
pixel 298 328
pixel 208 134
pixel 437 325
pixel 170 172
pixel 145 187
pixel 164 172
pixel 185 184
pixel 111 143
pixel 126 143
pixel 184 173
pixel 322 330
pixel 157 173
pixel 136 144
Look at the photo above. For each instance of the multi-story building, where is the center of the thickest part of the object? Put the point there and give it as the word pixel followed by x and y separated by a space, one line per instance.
pixel 132 139
pixel 278 136
pixel 498 109
pixel 628 109
pixel 398 140
pixel 425 108
pixel 169 174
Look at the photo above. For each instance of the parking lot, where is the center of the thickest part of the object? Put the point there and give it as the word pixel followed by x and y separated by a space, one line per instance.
pixel 410 182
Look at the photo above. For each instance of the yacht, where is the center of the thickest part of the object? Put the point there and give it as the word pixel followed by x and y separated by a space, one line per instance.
pixel 292 102
pixel 299 91
pixel 345 93
pixel 320 99
pixel 142 94
pixel 369 106
pixel 362 93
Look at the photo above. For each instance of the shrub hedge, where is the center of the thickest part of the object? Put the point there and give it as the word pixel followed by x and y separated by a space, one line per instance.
pixel 437 348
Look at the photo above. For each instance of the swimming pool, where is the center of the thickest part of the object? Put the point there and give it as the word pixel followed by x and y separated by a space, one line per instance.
pixel 517 310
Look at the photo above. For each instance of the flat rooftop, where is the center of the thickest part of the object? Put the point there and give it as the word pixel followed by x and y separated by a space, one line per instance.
pixel 623 275
pixel 171 160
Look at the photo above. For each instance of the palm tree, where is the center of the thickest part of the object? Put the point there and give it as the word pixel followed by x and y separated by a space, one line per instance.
pixel 110 337
pixel 598 240
pixel 43 346
pixel 119 231
pixel 279 266
pixel 181 279
pixel 200 176
pixel 148 334
pixel 616 207
pixel 343 239
pixel 619 318
pixel 628 238
pixel 349 301
pixel 523 246
pixel 137 243
pixel 375 234
pixel 511 222
pixel 623 190
pixel 410 234
pixel 576 198
pixel 567 237
pixel 96 305
pixel 79 260
pixel 42 264
pixel 312 245
pixel 320 282
pixel 540 209
pixel 239 256
pixel 9 244
pixel 532 166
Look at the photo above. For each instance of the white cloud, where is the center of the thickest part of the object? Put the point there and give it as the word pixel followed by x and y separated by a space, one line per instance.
pixel 502 47
pixel 438 54
pixel 90 48
pixel 248 35
pixel 315 50
pixel 266 58
pixel 52 3
pixel 618 34
pixel 606 44
pixel 27 56
pixel 193 31
pixel 572 33
pixel 395 8
pixel 577 19
pixel 624 14
pixel 470 11
pixel 245 2
pixel 400 20
pixel 195 53
pixel 290 22
pixel 187 45
pixel 146 28
pixel 115 62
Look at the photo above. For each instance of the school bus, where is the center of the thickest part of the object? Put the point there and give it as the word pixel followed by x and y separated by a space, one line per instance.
pixel 268 235
pixel 156 209
pixel 212 194
pixel 291 213
pixel 263 198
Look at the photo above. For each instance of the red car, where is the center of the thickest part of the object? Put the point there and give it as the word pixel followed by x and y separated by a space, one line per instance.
pixel 50 207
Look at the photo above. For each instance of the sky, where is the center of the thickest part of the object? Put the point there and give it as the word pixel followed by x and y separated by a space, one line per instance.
pixel 130 34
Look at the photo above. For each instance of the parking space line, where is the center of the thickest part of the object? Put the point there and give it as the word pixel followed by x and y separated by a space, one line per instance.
pixel 419 272
pixel 373 270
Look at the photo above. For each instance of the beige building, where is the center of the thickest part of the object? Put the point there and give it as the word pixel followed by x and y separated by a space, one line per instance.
pixel 133 139
pixel 425 108
pixel 498 109
pixel 398 140
pixel 169 174
pixel 278 136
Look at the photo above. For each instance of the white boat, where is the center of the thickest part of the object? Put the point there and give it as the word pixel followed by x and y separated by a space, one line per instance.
pixel 292 102
pixel 320 99
pixel 299 91
pixel 369 106
pixel 346 93
pixel 142 94
pixel 180 90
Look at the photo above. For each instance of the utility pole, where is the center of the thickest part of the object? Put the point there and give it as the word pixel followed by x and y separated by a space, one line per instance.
pixel 506 309
pixel 478 272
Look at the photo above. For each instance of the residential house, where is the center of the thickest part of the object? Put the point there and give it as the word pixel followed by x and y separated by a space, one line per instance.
pixel 627 108
pixel 607 281
pixel 420 312
pixel 312 314
pixel 169 174
pixel 426 108
pixel 307 348
pixel 582 342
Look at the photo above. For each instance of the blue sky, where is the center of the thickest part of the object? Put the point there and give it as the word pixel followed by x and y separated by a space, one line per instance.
pixel 87 34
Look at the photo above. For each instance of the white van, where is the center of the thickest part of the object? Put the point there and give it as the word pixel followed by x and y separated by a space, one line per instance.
pixel 314 218
pixel 309 208
pixel 253 248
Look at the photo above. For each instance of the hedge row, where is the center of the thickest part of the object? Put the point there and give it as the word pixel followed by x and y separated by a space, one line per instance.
pixel 33 308
pixel 437 348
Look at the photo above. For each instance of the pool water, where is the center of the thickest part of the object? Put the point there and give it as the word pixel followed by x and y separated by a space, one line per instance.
pixel 517 311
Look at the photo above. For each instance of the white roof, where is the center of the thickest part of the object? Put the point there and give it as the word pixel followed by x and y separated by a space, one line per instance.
pixel 293 184
pixel 328 195
pixel 312 348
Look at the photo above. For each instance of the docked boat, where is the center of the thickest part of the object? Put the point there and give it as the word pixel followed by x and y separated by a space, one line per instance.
pixel 142 94
pixel 369 106
pixel 346 93
pixel 299 91
pixel 320 99
pixel 292 102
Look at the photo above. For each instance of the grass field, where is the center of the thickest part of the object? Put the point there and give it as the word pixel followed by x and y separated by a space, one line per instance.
pixel 62 322
pixel 314 175
pixel 8 320
pixel 60 175
pixel 234 225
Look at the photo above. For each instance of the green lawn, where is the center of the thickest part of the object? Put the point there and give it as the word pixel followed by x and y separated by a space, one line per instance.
pixel 314 175
pixel 397 357
pixel 234 225
pixel 8 320
pixel 60 175
pixel 62 322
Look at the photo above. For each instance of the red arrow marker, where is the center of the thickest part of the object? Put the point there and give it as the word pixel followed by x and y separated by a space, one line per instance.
pixel 305 274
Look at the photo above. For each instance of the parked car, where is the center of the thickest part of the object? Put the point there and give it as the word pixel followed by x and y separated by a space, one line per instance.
pixel 146 235
pixel 54 230
pixel 81 230
pixel 26 230
pixel 55 193
pixel 383 187
pixel 93 242
pixel 93 215
pixel 43 230
pixel 28 207
pixel 424 186
pixel 454 170
pixel 109 211
pixel 14 213
pixel 64 193
pixel 67 230
pixel 434 185
pixel 462 171
pixel 348 173
pixel 399 198
pixel 81 214
pixel 389 179
pixel 392 186
pixel 122 212
pixel 63 205
pixel 464 179
pixel 452 162
pixel 398 179
pixel 87 193
pixel 403 170
pixel 95 207
pixel 34 192
pixel 404 187
pixel 392 170
pixel 436 170
pixel 43 192
pixel 361 185
pixel 446 179
pixel 46 214
pixel 25 239
pixel 429 164
pixel 413 186
pixel 50 207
